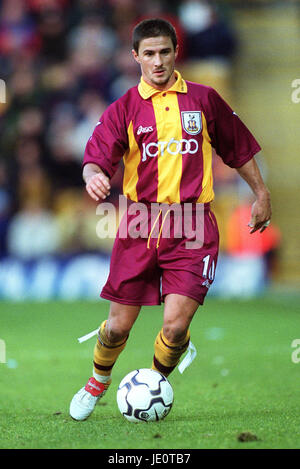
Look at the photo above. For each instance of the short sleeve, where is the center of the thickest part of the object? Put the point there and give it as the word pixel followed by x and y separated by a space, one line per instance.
pixel 109 140
pixel 232 140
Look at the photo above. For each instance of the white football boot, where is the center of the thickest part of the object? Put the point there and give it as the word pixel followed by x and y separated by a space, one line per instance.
pixel 85 400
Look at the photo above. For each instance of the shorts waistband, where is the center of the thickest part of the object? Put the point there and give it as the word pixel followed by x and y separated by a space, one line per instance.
pixel 185 206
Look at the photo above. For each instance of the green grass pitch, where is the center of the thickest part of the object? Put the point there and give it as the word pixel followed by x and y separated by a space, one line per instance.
pixel 242 380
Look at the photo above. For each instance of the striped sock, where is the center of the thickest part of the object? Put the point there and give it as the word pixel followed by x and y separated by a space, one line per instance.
pixel 166 354
pixel 105 355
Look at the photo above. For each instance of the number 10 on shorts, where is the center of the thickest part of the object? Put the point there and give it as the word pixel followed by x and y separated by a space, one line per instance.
pixel 210 271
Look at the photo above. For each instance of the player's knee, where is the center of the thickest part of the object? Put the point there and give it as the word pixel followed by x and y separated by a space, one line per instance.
pixel 116 331
pixel 175 332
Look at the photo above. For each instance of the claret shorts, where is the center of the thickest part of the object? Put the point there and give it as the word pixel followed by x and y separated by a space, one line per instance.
pixel 161 249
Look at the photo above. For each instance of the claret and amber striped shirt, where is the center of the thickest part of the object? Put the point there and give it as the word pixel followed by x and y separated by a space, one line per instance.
pixel 165 139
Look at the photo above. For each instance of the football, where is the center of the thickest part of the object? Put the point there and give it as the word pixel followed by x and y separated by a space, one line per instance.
pixel 145 395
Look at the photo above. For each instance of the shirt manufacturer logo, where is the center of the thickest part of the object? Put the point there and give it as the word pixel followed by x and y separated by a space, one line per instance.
pixel 144 130
pixel 191 122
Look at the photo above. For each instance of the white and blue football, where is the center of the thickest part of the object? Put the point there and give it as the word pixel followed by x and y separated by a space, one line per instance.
pixel 145 395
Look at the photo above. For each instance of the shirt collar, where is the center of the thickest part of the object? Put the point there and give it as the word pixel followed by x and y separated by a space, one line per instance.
pixel 146 91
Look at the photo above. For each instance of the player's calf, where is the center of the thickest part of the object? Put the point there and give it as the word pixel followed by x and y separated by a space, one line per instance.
pixel 166 354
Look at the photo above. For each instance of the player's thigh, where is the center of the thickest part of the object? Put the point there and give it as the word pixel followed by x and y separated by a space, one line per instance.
pixel 134 276
pixel 190 271
pixel 120 320
pixel 179 311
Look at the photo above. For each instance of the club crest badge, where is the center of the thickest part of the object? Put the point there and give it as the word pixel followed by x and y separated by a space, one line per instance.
pixel 192 122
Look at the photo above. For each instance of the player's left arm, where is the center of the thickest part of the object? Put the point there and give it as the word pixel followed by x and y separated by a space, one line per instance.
pixel 261 208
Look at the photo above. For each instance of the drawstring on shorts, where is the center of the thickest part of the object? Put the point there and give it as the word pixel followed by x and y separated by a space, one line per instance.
pixel 160 231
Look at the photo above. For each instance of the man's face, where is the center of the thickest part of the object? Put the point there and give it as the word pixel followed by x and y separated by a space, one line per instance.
pixel 156 57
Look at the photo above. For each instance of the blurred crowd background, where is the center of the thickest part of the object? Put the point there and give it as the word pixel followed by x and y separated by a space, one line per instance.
pixel 63 62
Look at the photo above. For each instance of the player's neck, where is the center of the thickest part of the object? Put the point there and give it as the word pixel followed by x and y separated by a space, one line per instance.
pixel 163 87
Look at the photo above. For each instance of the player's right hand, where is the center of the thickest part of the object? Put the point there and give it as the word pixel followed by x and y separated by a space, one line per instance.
pixel 98 186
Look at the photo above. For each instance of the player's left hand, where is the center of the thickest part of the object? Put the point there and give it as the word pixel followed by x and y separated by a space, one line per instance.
pixel 260 214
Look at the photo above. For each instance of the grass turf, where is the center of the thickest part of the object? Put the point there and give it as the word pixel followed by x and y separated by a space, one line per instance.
pixel 242 380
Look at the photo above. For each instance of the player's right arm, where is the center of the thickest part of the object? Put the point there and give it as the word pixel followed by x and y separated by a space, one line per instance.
pixel 104 150
pixel 96 182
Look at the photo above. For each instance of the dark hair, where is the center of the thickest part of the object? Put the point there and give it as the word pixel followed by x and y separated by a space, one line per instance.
pixel 152 28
